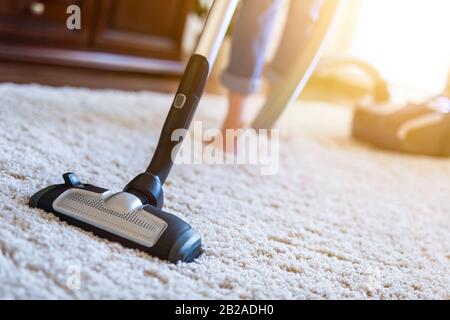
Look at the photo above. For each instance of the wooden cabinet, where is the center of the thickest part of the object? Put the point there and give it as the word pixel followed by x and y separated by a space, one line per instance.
pixel 128 35
pixel 142 27
pixel 43 22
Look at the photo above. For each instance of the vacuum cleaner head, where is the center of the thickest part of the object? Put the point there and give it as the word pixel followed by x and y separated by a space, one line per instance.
pixel 134 217
pixel 120 217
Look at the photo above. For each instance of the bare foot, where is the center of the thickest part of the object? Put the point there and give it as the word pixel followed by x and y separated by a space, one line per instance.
pixel 234 120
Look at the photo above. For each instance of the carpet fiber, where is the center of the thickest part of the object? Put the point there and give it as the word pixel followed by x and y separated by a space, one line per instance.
pixel 339 220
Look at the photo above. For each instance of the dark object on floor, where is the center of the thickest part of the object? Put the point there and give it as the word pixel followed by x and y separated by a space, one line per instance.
pixel 422 128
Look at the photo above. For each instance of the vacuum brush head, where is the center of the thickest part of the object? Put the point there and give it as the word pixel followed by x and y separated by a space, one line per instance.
pixel 120 217
pixel 133 217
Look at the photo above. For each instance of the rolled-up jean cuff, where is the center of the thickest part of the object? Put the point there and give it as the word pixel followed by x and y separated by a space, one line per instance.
pixel 240 84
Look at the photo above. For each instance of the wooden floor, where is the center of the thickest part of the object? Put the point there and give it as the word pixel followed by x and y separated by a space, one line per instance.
pixel 19 72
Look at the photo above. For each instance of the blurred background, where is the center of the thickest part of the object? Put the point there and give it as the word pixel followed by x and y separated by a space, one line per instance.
pixel 143 44
pixel 406 40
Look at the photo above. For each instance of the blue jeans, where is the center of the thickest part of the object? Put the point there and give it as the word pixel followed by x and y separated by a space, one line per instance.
pixel 251 37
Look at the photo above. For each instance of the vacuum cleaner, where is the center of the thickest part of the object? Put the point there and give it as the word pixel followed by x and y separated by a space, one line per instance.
pixel 134 217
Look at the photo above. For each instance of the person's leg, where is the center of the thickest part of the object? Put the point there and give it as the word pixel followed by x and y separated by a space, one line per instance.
pixel 299 24
pixel 250 40
pixel 235 114
pixel 305 30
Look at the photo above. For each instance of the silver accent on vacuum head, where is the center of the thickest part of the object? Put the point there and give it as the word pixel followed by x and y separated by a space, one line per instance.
pixel 120 213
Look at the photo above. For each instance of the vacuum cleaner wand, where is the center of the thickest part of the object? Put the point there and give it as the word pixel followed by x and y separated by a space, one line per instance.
pixel 147 186
pixel 180 115
pixel 134 217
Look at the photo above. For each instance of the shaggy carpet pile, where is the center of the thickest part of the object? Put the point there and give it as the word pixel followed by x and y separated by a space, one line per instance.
pixel 339 219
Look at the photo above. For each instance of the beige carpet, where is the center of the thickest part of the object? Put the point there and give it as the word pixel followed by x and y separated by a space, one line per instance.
pixel 340 220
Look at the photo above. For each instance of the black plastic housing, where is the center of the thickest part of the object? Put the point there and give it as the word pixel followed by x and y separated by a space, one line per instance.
pixel 191 86
pixel 179 242
pixel 148 188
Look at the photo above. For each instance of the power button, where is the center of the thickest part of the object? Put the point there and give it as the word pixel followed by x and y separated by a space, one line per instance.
pixel 180 100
